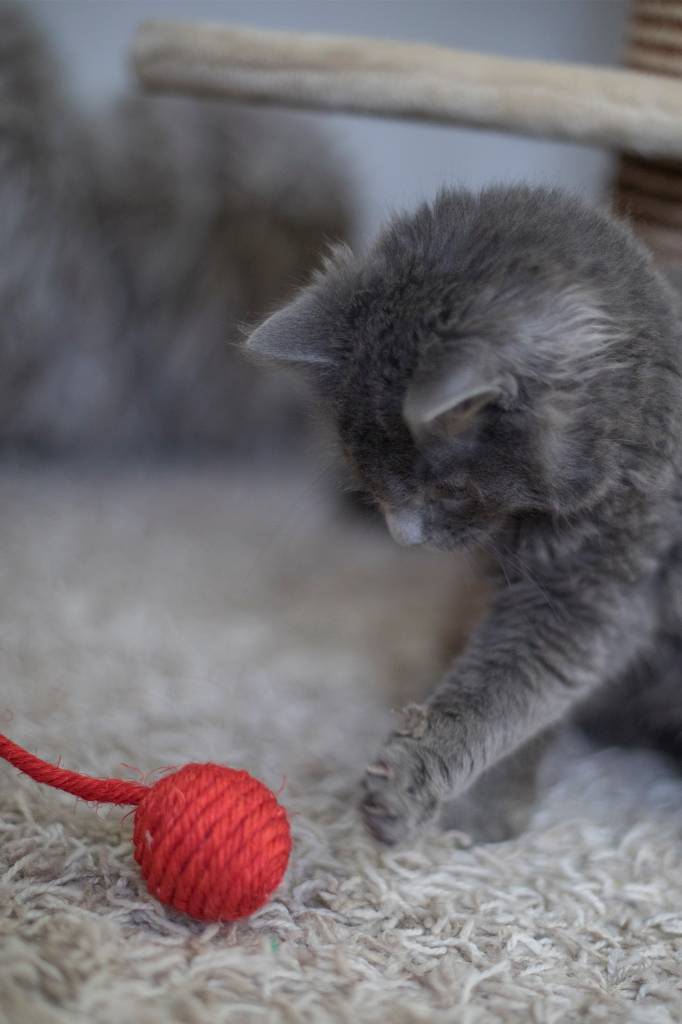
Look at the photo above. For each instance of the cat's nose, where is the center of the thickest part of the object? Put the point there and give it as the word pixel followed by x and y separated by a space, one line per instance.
pixel 405 525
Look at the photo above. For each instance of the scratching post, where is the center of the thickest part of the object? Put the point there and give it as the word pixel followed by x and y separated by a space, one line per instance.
pixel 649 191
pixel 628 110
pixel 636 111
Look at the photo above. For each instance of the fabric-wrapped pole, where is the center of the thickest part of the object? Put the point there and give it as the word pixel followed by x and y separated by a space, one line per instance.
pixel 632 111
pixel 649 191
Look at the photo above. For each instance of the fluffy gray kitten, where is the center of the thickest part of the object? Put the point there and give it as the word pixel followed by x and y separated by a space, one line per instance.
pixel 131 247
pixel 504 371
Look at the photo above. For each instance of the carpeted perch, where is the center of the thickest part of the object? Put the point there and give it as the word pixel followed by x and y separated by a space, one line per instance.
pixel 628 110
pixel 649 190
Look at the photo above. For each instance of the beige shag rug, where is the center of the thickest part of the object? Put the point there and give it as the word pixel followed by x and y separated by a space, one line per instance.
pixel 149 619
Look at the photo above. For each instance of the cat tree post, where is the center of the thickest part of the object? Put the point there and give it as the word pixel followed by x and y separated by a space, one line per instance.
pixel 648 190
pixel 636 112
pixel 610 107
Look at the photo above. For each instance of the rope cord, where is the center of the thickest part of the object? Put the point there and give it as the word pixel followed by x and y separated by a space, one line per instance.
pixel 106 791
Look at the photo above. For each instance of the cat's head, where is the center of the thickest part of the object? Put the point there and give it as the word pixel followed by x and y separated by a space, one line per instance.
pixel 476 360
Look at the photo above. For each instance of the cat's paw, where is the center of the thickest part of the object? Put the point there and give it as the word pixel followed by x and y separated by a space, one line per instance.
pixel 403 787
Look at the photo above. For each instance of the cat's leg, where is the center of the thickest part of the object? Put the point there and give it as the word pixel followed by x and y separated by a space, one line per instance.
pixel 501 801
pixel 643 706
pixel 543 647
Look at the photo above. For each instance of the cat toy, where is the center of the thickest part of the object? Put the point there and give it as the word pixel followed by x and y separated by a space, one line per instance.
pixel 211 841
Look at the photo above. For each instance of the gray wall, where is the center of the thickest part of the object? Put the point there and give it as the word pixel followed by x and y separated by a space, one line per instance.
pixel 396 163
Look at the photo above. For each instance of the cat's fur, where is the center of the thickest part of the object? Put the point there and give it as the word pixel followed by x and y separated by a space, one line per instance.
pixel 505 374
pixel 132 246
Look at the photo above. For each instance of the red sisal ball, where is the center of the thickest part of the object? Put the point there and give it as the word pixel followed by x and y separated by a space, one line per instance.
pixel 211 841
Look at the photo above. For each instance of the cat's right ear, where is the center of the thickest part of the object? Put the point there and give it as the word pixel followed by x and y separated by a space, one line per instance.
pixel 293 334
pixel 444 401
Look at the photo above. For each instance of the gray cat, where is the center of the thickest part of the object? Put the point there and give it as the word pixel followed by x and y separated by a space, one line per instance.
pixel 504 372
pixel 131 246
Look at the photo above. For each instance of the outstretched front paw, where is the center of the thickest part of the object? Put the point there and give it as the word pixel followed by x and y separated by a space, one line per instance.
pixel 404 786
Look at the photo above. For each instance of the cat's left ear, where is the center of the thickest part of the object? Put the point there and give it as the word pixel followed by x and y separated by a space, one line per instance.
pixel 293 334
pixel 444 401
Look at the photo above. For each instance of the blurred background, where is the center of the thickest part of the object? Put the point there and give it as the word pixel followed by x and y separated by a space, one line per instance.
pixel 139 236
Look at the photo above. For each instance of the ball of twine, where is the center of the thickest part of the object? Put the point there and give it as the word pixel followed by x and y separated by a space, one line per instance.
pixel 211 841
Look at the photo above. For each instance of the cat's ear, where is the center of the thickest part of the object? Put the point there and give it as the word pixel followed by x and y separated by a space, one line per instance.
pixel 444 401
pixel 293 334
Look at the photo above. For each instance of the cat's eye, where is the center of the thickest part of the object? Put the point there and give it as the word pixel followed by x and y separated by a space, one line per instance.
pixel 442 494
pixel 453 503
pixel 449 499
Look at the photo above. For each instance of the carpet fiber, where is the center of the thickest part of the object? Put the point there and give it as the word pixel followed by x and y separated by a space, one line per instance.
pixel 147 620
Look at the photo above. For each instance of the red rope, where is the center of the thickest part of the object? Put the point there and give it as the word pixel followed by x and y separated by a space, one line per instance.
pixel 105 791
pixel 211 841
